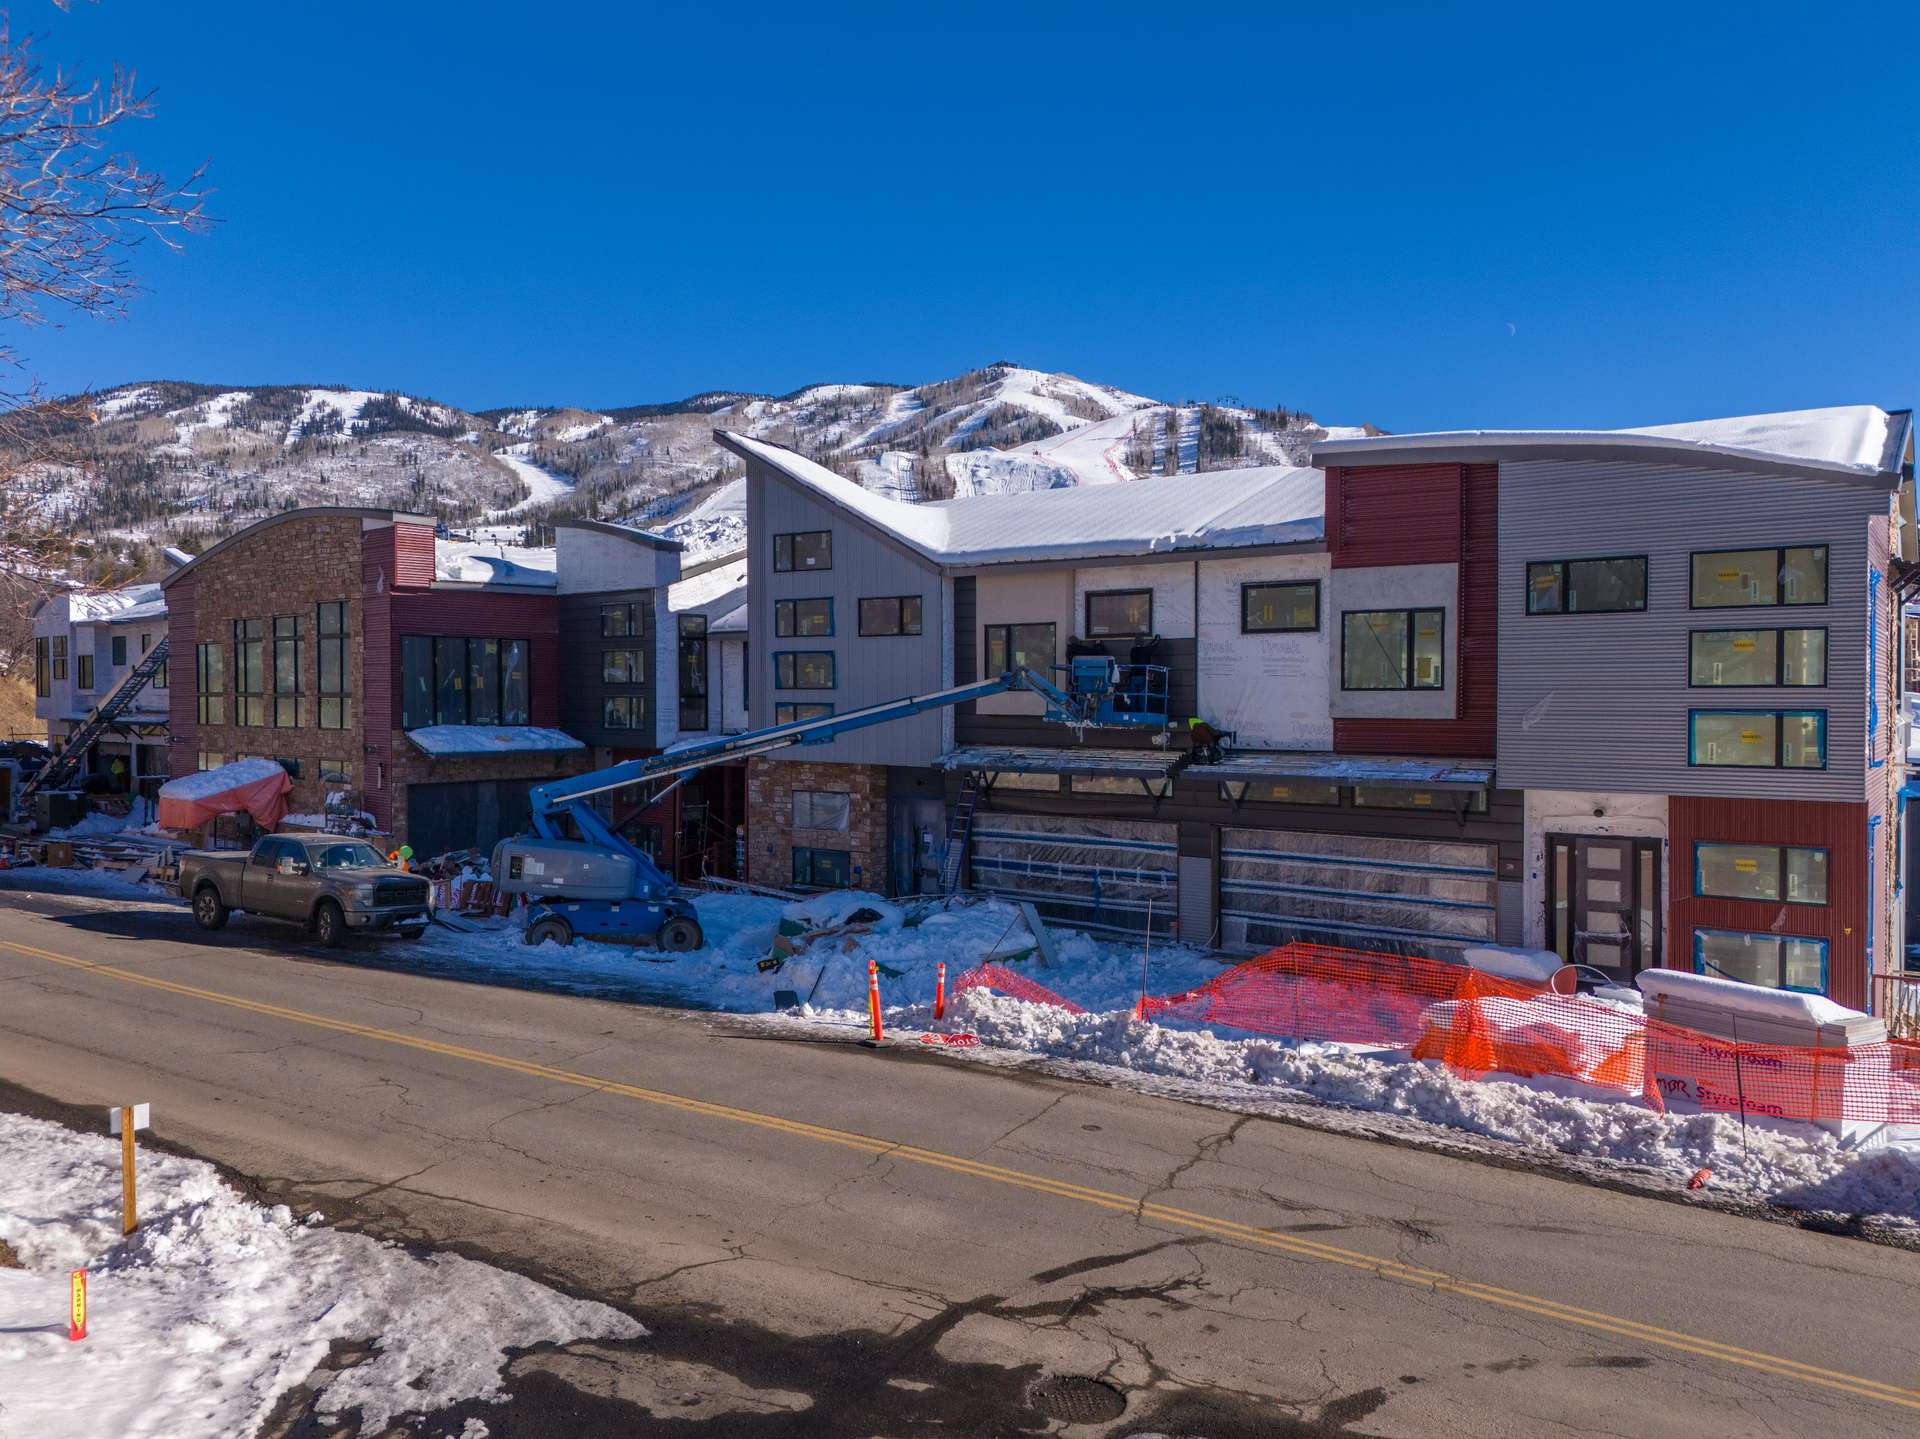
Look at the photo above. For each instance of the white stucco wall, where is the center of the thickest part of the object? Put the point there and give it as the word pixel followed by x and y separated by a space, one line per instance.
pixel 1617 816
pixel 1172 586
pixel 1272 689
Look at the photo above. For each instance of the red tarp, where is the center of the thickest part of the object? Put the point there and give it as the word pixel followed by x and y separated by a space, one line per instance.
pixel 247 786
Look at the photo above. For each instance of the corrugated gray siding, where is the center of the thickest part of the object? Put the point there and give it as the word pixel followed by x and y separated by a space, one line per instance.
pixel 866 671
pixel 1600 701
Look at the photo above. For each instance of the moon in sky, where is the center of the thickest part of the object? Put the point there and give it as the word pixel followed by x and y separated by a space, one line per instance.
pixel 1512 329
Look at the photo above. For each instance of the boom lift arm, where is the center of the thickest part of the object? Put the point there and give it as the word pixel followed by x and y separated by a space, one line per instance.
pixel 604 885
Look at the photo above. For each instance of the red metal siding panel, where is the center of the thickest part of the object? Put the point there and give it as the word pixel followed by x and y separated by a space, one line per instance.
pixel 1473 540
pixel 412 557
pixel 379 689
pixel 1840 829
pixel 1394 515
pixel 475 612
pixel 183 714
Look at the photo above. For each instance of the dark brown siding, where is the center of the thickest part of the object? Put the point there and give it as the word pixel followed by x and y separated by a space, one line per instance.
pixel 1428 514
pixel 582 686
pixel 1840 829
pixel 182 681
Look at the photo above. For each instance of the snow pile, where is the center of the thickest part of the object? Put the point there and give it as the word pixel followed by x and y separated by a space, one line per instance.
pixel 1794 1165
pixel 207 783
pixel 441 740
pixel 475 562
pixel 216 1307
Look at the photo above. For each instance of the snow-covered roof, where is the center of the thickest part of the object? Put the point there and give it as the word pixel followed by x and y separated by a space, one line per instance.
pixel 715 591
pixel 1857 440
pixel 1272 505
pixel 484 562
pixel 130 602
pixel 443 740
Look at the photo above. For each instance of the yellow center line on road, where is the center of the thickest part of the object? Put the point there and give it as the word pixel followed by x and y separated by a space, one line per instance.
pixel 1232 1230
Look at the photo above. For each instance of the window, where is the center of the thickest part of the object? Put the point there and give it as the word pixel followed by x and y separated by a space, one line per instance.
pixel 1763 739
pixel 210 683
pixel 83 672
pixel 119 651
pixel 336 772
pixel 416 681
pixel 249 672
pixel 163 673
pixel 618 621
pixel 1019 646
pixel 1791 576
pixel 451 679
pixel 1394 796
pixel 1393 649
pixel 286 672
pixel 1775 961
pixel 483 681
pixel 516 684
pixel 622 711
pixel 807 550
pixel 1757 657
pixel 892 615
pixel 693 672
pixel 330 624
pixel 1281 792
pixel 822 868
pixel 210 759
pixel 804 619
pixel 42 668
pixel 1760 871
pixel 1567 587
pixel 1013 779
pixel 146 642
pixel 1279 609
pixel 803 670
pixel 796 713
pixel 822 809
pixel 1131 786
pixel 1119 612
pixel 59 657
pixel 623 667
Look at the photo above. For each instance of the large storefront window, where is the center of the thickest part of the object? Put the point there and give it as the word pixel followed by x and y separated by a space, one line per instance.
pixel 457 680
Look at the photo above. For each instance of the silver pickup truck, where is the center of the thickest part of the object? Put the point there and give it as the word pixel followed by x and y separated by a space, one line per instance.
pixel 331 885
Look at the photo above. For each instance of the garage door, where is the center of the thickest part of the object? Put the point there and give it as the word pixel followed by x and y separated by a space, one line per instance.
pixel 1402 895
pixel 473 814
pixel 1116 876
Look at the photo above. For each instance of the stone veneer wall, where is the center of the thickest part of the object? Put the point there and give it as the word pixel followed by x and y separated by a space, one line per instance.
pixel 286 569
pixel 771 836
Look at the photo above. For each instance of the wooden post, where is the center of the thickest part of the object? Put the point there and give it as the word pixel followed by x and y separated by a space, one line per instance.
pixel 129 1214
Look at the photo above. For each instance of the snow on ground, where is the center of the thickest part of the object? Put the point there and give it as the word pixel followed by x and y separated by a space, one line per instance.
pixel 216 1307
pixel 1795 1166
pixel 543 486
pixel 483 563
pixel 1095 453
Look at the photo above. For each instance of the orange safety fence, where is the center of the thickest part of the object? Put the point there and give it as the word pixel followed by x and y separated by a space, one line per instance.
pixel 1477 1024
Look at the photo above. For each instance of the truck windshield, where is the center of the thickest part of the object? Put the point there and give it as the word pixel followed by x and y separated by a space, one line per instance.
pixel 350 856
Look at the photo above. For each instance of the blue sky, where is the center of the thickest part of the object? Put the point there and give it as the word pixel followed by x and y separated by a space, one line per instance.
pixel 1398 214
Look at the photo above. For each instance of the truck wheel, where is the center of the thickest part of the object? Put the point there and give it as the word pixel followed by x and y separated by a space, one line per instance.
pixel 329 924
pixel 680 935
pixel 543 930
pixel 208 908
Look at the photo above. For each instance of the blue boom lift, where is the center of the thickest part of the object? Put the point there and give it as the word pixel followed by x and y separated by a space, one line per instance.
pixel 602 886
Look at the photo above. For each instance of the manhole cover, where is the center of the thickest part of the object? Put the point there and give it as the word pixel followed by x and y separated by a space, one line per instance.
pixel 1076 1400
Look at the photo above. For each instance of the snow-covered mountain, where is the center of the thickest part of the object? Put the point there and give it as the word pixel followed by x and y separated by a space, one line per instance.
pixel 171 461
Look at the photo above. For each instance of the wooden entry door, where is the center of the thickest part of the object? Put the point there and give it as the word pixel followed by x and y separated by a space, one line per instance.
pixel 1603 903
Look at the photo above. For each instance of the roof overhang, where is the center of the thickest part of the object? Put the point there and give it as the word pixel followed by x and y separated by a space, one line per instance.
pixel 1449 775
pixel 470 741
pixel 622 532
pixel 1037 759
pixel 1465 447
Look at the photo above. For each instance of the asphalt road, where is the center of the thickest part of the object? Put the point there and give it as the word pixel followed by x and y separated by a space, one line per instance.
pixel 831 1240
